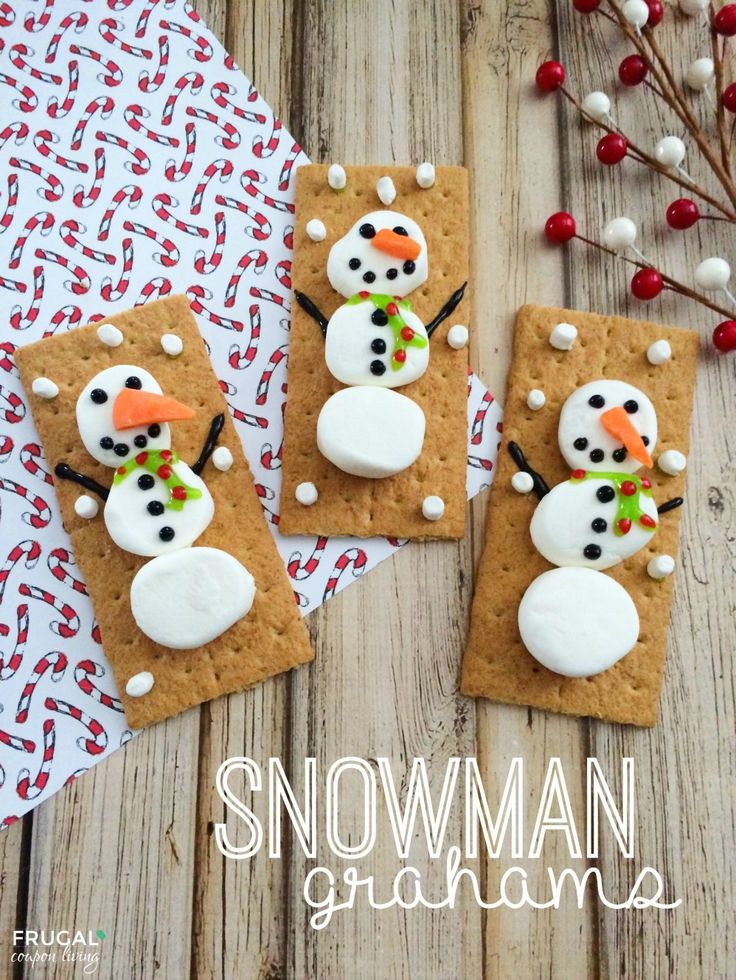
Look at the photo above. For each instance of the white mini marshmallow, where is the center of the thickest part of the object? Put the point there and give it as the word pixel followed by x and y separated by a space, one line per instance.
pixel 660 567
pixel 86 507
pixel 316 230
pixel 457 336
pixel 45 388
pixel 306 494
pixel 433 507
pixel 563 336
pixel 172 345
pixel 536 399
pixel 425 175
pixel 672 462
pixel 386 190
pixel 336 177
pixel 139 684
pixel 222 459
pixel 659 352
pixel 522 482
pixel 110 335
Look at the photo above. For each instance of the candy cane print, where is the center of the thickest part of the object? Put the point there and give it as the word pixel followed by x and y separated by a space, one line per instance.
pixel 27 552
pixel 19 54
pixel 17 742
pixel 56 109
pixel 219 91
pixel 279 355
pixel 151 83
pixel 480 463
pixel 203 265
pixel 31 456
pixel 109 28
pixel 476 432
pixel 111 75
pixel 95 634
pixel 6 448
pixel 218 168
pixel 55 188
pixel 8 822
pixel 264 492
pixel 133 115
pixel 155 289
pixel 33 23
pixel 10 669
pixel 263 226
pixel 248 181
pixel 42 140
pixel 77 20
pixel 266 294
pixel 44 221
pixel 283 272
pixel 20 320
pixel 42 514
pixel 354 557
pixel 110 292
pixel 256 255
pixel 142 24
pixel 15 410
pixel 56 662
pixel 161 204
pixel 142 161
pixel 271 460
pixel 102 104
pixel 57 560
pixel 299 570
pixel 7 363
pixel 268 148
pixel 170 255
pixel 175 173
pixel 86 669
pixel 84 199
pixel 231 139
pixel 94 745
pixel 81 282
pixel 248 418
pixel 301 600
pixel 285 175
pixel 196 294
pixel 192 80
pixel 6 219
pixel 202 50
pixel 65 317
pixel 7 14
pixel 75 775
pixel 128 192
pixel 26 789
pixel 66 629
pixel 18 130
pixel 239 359
pixel 69 233
pixel 29 100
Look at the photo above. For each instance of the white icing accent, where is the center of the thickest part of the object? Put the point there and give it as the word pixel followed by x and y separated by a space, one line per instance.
pixel 636 12
pixel 578 420
pixel 660 567
pixel 171 344
pixel 670 151
pixel 577 622
pixel 187 599
pixel 457 336
pixel 222 459
pixel 370 432
pixel 522 482
pixel 597 105
pixel 700 74
pixel 659 352
pixel 426 175
pixel 86 507
pixel 95 421
pixel 561 526
pixel 352 245
pixel 713 274
pixel 316 230
pixel 672 462
pixel 306 494
pixel 110 335
pixel 433 508
pixel 45 388
pixel 139 684
pixel 348 353
pixel 385 190
pixel 336 177
pixel 536 399
pixel 563 336
pixel 619 234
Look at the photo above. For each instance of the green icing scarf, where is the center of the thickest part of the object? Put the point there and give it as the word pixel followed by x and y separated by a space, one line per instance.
pixel 154 462
pixel 629 503
pixel 395 321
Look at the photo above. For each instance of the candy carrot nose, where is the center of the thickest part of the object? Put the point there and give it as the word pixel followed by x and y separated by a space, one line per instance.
pixel 400 246
pixel 617 423
pixel 134 407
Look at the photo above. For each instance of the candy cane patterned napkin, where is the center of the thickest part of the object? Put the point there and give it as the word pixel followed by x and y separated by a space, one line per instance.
pixel 136 160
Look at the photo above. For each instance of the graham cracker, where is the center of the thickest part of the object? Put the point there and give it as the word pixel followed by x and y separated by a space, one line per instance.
pixel 496 664
pixel 392 506
pixel 272 637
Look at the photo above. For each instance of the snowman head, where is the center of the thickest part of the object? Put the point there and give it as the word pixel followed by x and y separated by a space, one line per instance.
pixel 384 252
pixel 607 426
pixel 122 410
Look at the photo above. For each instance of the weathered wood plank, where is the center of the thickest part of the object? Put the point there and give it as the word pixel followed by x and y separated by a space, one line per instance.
pixel 12 887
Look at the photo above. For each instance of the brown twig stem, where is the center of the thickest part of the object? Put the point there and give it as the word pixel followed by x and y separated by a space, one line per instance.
pixel 720 111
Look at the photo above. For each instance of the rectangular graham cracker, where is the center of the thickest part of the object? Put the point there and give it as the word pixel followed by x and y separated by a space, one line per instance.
pixel 392 506
pixel 496 664
pixel 272 637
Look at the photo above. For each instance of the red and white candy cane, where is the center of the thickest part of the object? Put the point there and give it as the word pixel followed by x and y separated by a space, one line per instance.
pixel 202 51
pixel 111 292
pixel 6 448
pixel 15 410
pixel 58 109
pixel 19 54
pixel 44 139
pixel 155 289
pixel 476 432
pixel 285 175
pixel 142 162
pixel 205 265
pixel 148 82
pixel 111 75
pixel 265 493
pixel 262 228
pixel 32 457
pixel 56 662
pixel 44 221
pixel 218 168
pixel 102 104
pixel 255 255
pixel 55 188
pixel 27 552
pixel 248 181
pixel 6 219
pixel 38 517
pixel 175 172
pixel 83 672
pixel 58 563
pixel 283 273
pixel 33 22
pixel 13 285
pixel 193 80
pixel 81 282
pixel 301 600
pixel 70 231
pixel 354 559
pixel 65 317
pixel 170 254
pixel 75 775
pixel 7 364
pixel 10 669
pixel 133 115
pixel 161 205
pixel 98 741
pixel 196 294
pixel 7 14
pixel 299 569
pixel 28 101
pixel 268 147
pixel 16 130
pixel 95 634
pixel 270 459
pixel 20 319
pixel 17 742
pixel 219 93
pixel 26 789
pixel 279 356
pixel 142 24
pixel 109 29
pixel 269 296
pixel 131 193
pixel 70 625
pixel 84 199
pixel 77 20
pixel 480 463
pixel 248 418
pixel 239 358
pixel 231 139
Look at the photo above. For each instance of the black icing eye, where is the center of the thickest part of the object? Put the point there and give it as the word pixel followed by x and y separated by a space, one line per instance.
pixel 367 231
pixel 596 401
pixel 400 230
pixel 133 382
pixel 146 481
pixel 631 406
pixel 392 273
pixel 98 396
pixel 369 277
pixel 354 264
pixel 106 442
pixel 605 494
pixel 378 368
pixel 619 455
pixel 592 551
pixel 599 525
pixel 581 443
pixel 141 442
pixel 645 440
pixel 154 430
pixel 166 534
pixel 409 267
pixel 155 508
pixel 379 317
pixel 378 346
pixel 121 449
pixel 597 456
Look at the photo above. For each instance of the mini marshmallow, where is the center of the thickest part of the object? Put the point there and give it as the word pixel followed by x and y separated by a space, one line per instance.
pixel 336 177
pixel 139 684
pixel 386 190
pixel 222 459
pixel 522 482
pixel 563 336
pixel 433 507
pixel 536 399
pixel 316 230
pixel 45 388
pixel 110 335
pixel 86 507
pixel 672 462
pixel 425 175
pixel 659 352
pixel 660 567
pixel 457 336
pixel 306 494
pixel 171 344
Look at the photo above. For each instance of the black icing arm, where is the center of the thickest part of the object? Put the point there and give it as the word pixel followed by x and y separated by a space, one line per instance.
pixel 540 488
pixel 669 505
pixel 210 442
pixel 446 310
pixel 313 310
pixel 65 472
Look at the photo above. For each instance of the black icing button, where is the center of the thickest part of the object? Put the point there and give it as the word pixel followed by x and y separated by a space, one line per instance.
pixel 354 264
pixel 367 231
pixel 98 396
pixel 133 382
pixel 605 494
pixel 592 551
pixel 379 317
pixel 154 430
pixel 166 534
pixel 121 449
pixel 619 455
pixel 155 508
pixel 378 346
pixel 106 442
pixel 141 442
pixel 378 367
pixel 369 277
pixel 146 481
pixel 645 440
pixel 392 273
pixel 599 525
pixel 596 401
pixel 409 267
pixel 597 456
pixel 400 230
pixel 581 443
pixel 631 406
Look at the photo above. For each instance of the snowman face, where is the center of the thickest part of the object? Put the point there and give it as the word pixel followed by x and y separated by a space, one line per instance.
pixel 607 426
pixel 384 252
pixel 108 445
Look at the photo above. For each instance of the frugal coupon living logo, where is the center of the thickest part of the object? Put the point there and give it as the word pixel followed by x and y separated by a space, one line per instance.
pixel 46 947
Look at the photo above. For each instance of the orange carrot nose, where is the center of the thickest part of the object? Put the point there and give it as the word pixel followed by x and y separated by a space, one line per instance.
pixel 617 423
pixel 400 246
pixel 134 407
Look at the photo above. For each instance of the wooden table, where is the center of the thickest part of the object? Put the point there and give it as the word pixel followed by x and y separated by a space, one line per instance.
pixel 373 81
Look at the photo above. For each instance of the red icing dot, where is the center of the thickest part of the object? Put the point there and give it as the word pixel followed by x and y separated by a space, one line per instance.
pixel 646 484
pixel 577 474
pixel 141 458
pixel 164 472
pixel 364 294
pixel 166 454
pixel 407 334
pixel 628 488
pixel 121 470
pixel 392 309
pixel 624 525
pixel 400 356
pixel 179 493
pixel 646 521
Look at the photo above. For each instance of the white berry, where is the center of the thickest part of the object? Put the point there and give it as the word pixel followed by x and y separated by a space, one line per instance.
pixel 522 482
pixel 700 74
pixel 45 388
pixel 660 567
pixel 139 684
pixel 619 233
pixel 386 190
pixel 86 507
pixel 433 508
pixel 222 459
pixel 693 7
pixel 563 336
pixel 536 399
pixel 457 336
pixel 636 12
pixel 713 274
pixel 659 352
pixel 597 105
pixel 672 462
pixel 336 177
pixel 306 494
pixel 425 175
pixel 316 230
pixel 110 335
pixel 172 345
pixel 670 151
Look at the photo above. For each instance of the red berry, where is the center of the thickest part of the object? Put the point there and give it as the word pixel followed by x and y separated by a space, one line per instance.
pixel 646 284
pixel 724 336
pixel 392 309
pixel 577 474
pixel 628 488
pixel 656 12
pixel 121 470
pixel 550 76
pixel 729 97
pixel 559 227
pixel 407 334
pixel 682 214
pixel 632 70
pixel 164 472
pixel 724 21
pixel 141 458
pixel 179 493
pixel 364 294
pixel 586 6
pixel 624 525
pixel 646 484
pixel 400 356
pixel 611 149
pixel 166 454
pixel 646 521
